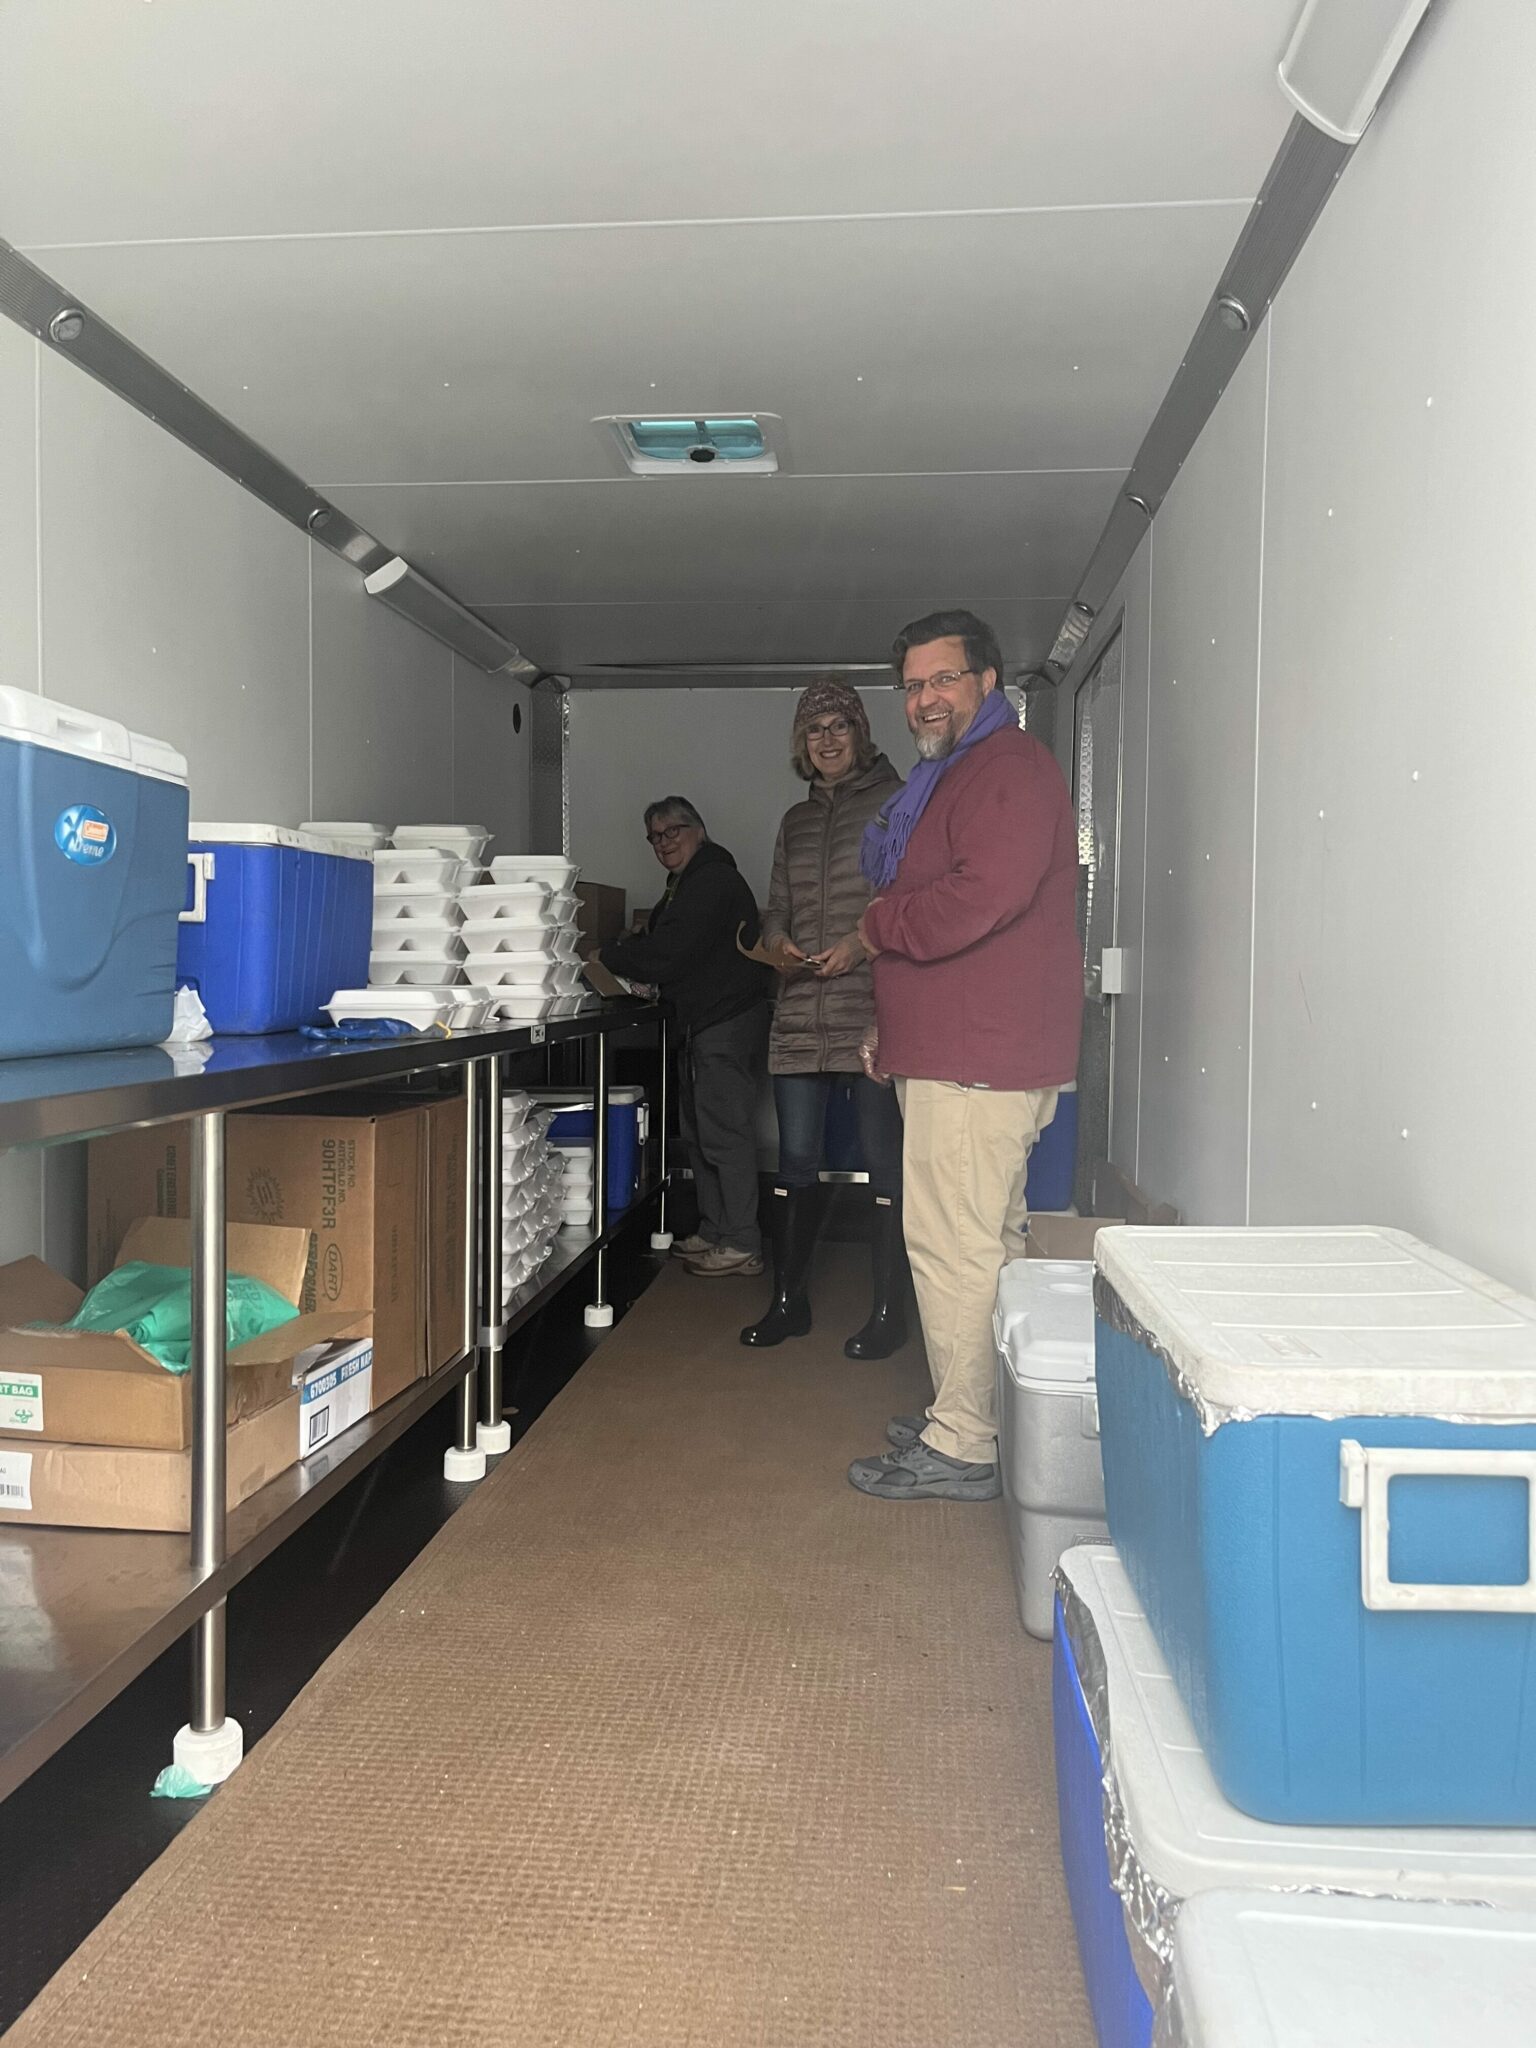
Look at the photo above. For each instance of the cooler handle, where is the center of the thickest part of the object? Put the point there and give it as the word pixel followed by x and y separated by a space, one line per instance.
pixel 1365 1474
pixel 201 865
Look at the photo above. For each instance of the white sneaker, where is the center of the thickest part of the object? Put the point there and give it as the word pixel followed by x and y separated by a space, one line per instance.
pixel 690 1247
pixel 722 1261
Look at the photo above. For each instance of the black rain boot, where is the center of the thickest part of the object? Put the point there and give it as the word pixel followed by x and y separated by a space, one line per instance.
pixel 793 1219
pixel 886 1330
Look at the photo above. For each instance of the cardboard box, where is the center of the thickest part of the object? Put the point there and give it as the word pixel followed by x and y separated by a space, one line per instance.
pixel 599 911
pixel 68 1386
pixel 337 1391
pixel 352 1175
pixel 1055 1236
pixel 92 1486
pixel 1114 1195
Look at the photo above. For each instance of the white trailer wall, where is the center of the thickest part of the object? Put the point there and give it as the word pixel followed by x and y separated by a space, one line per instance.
pixel 137 581
pixel 726 750
pixel 1330 714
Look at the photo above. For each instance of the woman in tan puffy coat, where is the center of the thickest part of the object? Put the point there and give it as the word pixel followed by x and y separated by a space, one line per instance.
pixel 826 1004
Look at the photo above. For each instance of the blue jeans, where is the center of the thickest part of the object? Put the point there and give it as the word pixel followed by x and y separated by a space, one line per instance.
pixel 801 1101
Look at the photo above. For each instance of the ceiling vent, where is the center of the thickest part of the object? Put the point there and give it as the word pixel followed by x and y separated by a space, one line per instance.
pixel 743 443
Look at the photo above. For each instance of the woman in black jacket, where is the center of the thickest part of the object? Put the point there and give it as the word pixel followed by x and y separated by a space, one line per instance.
pixel 689 953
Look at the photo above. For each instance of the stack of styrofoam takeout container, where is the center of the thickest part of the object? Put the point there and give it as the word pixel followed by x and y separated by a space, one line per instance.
pixel 519 935
pixel 576 1184
pixel 531 1184
pixel 416 966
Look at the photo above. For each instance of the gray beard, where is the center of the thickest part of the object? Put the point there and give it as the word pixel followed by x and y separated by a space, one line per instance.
pixel 933 746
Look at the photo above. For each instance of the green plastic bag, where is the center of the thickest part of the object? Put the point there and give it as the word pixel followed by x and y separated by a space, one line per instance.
pixel 153 1306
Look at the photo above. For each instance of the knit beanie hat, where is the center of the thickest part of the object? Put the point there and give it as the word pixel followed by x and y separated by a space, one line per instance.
pixel 830 696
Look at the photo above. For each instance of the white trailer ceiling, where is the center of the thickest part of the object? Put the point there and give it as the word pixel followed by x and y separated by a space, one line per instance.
pixel 415 251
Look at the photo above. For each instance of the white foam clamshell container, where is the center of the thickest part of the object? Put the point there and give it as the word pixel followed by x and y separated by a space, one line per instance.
pixel 420 1007
pixel 1048 1423
pixel 406 900
pixel 358 837
pixel 463 842
pixel 526 970
pixel 552 869
pixel 1171 1835
pixel 505 937
pixel 519 902
pixel 418 935
pixel 1252 1970
pixel 522 1005
pixel 421 868
pixel 388 970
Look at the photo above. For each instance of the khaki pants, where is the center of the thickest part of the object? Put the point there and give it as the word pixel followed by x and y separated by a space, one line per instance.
pixel 966 1151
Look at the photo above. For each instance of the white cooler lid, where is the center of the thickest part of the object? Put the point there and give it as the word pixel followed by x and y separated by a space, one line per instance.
pixel 1043 1322
pixel 1251 1970
pixel 1349 1321
pixel 271 835
pixel 1190 1839
pixel 39 721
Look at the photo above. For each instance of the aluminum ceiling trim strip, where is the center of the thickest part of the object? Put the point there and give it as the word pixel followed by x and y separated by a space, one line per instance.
pixel 68 327
pixel 1295 192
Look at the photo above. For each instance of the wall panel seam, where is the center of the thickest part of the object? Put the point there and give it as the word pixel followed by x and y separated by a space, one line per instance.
pixel 1258 726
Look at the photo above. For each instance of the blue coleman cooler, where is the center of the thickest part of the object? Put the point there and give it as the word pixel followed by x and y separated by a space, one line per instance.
pixel 1319 1460
pixel 275 922
pixel 93 853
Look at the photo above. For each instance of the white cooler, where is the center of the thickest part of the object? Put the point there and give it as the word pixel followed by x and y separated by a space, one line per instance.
pixel 1253 1970
pixel 1048 1423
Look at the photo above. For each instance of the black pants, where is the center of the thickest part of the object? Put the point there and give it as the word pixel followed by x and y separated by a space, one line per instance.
pixel 721 1074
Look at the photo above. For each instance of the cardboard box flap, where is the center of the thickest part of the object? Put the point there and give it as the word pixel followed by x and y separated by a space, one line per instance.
pixel 31 1292
pixel 274 1253
pixel 291 1340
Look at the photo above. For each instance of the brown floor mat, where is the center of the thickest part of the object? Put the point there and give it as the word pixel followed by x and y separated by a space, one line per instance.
pixel 669 1738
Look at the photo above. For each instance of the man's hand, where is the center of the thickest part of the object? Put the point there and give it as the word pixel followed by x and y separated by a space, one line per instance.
pixel 872 951
pixel 869 1057
pixel 842 958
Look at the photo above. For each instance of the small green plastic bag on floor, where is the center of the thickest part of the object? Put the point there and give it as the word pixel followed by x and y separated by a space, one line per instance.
pixel 177 1782
pixel 153 1306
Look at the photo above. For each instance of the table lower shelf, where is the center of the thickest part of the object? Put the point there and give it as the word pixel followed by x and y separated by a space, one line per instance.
pixel 84 1611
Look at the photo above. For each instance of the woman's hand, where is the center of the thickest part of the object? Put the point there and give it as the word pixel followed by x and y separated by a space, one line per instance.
pixel 871 950
pixel 786 955
pixel 869 1057
pixel 842 958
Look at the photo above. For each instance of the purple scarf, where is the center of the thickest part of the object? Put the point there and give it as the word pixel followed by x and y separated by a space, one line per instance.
pixel 888 833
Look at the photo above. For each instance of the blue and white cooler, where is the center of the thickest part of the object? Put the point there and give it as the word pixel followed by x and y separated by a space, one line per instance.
pixel 1253 1970
pixel 93 849
pixel 275 922
pixel 1145 1827
pixel 1319 1453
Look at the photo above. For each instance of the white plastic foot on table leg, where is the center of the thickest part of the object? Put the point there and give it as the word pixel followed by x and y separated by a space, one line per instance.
pixel 661 1240
pixel 598 1315
pixel 210 1756
pixel 463 1466
pixel 494 1437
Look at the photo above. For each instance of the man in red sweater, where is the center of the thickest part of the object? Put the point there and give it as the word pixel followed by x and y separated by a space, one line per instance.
pixel 978 1003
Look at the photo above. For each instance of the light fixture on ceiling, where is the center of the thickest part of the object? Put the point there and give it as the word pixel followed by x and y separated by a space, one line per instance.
pixel 1233 314
pixel 1341 57
pixel 1074 631
pixel 68 325
pixel 417 598
pixel 690 444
